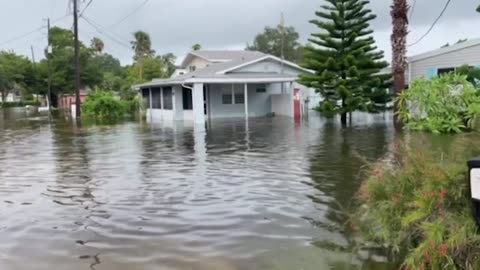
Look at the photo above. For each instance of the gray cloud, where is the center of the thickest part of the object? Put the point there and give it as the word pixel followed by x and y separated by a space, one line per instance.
pixel 175 25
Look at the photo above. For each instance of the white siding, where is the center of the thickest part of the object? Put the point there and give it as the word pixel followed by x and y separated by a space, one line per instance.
pixel 198 63
pixel 259 104
pixel 282 105
pixel 470 56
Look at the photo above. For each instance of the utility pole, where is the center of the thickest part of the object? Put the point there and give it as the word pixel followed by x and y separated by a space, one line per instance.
pixel 49 51
pixel 33 66
pixel 282 45
pixel 77 60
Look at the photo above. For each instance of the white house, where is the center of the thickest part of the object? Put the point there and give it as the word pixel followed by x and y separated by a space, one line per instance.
pixel 224 84
pixel 443 60
pixel 11 97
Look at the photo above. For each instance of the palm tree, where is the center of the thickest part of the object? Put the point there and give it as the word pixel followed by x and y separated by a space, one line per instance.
pixel 399 15
pixel 142 45
pixel 169 62
pixel 197 47
pixel 97 45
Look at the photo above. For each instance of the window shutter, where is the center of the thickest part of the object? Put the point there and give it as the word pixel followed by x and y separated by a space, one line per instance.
pixel 432 72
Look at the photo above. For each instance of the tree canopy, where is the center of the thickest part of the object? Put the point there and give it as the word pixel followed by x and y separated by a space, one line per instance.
pixel 345 60
pixel 98 69
pixel 271 39
pixel 15 72
pixel 142 45
pixel 196 47
pixel 97 45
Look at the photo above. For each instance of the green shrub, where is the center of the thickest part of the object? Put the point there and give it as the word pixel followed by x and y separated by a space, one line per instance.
pixel 19 104
pixel 133 105
pixel 444 104
pixel 472 73
pixel 103 105
pixel 420 207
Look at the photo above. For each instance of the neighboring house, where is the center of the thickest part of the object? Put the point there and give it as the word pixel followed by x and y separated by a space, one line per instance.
pixel 443 60
pixel 65 101
pixel 178 72
pixel 12 97
pixel 224 84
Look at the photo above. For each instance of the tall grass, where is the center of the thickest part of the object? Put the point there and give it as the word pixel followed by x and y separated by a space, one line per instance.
pixel 419 206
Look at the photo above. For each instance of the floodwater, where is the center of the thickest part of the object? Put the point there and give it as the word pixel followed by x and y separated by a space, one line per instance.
pixel 267 194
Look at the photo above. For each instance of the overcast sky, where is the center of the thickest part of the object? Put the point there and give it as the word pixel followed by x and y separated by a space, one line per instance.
pixel 175 25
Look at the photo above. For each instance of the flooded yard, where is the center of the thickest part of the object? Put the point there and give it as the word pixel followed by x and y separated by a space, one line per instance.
pixel 267 194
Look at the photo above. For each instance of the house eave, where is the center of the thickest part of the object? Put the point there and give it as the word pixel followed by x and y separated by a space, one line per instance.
pixel 218 81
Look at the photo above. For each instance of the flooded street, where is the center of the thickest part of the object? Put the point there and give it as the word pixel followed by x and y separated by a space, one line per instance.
pixel 267 194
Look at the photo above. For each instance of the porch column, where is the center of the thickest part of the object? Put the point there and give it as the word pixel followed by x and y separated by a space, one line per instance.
pixel 150 102
pixel 198 104
pixel 246 100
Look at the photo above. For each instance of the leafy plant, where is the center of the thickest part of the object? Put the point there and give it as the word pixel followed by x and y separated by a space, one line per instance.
pixel 472 73
pixel 419 206
pixel 19 104
pixel 103 105
pixel 444 104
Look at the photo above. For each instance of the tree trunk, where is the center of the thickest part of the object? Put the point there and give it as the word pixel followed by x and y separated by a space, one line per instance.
pixel 399 15
pixel 343 119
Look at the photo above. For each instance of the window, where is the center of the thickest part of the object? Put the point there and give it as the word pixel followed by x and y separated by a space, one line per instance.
pixel 441 71
pixel 239 94
pixel 192 68
pixel 167 98
pixel 156 98
pixel 239 99
pixel 261 89
pixel 187 99
pixel 227 99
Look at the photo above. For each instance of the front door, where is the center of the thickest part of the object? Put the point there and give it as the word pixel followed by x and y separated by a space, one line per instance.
pixel 297 114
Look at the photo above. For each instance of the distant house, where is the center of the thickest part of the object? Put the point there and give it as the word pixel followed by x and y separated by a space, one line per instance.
pixel 65 101
pixel 12 97
pixel 224 84
pixel 444 60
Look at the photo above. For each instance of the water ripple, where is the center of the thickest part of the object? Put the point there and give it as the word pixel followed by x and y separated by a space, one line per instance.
pixel 138 196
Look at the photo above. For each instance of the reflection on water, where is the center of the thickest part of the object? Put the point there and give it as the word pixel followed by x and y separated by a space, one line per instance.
pixel 266 194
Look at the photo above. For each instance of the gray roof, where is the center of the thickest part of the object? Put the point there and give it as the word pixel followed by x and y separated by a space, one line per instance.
pixel 445 50
pixel 225 55
pixel 217 67
pixel 219 56
pixel 212 70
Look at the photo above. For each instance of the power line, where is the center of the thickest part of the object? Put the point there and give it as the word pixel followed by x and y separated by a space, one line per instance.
pixel 31 32
pixel 433 25
pixel 130 14
pixel 97 27
pixel 89 3
pixel 412 10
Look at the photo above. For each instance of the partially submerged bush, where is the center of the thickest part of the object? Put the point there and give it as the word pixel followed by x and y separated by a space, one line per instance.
pixel 103 105
pixel 420 207
pixel 444 104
